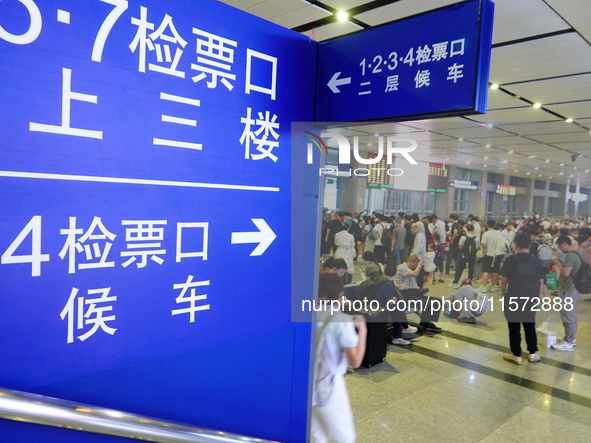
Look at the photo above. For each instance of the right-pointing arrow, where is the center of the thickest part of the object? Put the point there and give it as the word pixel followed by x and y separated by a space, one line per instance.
pixel 264 236
pixel 335 81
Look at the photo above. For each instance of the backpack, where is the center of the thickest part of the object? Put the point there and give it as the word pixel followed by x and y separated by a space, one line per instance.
pixel 526 282
pixel 386 237
pixel 582 279
pixel 355 231
pixel 368 288
pixel 469 249
pixel 544 253
pixel 323 369
pixel 459 232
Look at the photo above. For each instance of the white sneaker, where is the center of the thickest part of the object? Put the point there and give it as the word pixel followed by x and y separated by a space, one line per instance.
pixel 454 285
pixel 534 358
pixel 409 330
pixel 562 340
pixel 498 286
pixel 564 346
pixel 483 289
pixel 400 341
pixel 512 358
pixel 493 289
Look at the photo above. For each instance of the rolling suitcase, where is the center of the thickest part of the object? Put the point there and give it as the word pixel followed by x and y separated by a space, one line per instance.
pixel 377 340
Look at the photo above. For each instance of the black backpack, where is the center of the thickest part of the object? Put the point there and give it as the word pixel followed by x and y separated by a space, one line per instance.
pixel 386 237
pixel 368 288
pixel 469 249
pixel 526 282
pixel 582 279
pixel 459 232
pixel 355 231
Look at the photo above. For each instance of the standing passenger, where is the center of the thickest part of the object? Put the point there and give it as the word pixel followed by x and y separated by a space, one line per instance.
pixel 333 421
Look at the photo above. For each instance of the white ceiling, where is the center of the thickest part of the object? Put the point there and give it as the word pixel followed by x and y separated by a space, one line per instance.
pixel 541 53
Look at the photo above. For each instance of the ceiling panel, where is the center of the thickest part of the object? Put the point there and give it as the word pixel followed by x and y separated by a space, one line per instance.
pixel 476 131
pixel 516 115
pixel 542 128
pixel 524 18
pixel 343 5
pixel 504 141
pixel 401 9
pixel 242 4
pixel 498 99
pixel 270 9
pixel 440 123
pixel 548 57
pixel 575 12
pixel 582 136
pixel 332 30
pixel 556 90
pixel 573 110
pixel 301 16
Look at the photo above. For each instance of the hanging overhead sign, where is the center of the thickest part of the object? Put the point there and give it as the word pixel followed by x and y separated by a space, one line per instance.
pixel 432 64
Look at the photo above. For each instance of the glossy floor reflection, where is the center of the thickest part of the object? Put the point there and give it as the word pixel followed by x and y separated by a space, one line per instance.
pixel 456 387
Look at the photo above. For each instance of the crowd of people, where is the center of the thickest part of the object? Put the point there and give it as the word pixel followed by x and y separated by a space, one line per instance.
pixel 404 254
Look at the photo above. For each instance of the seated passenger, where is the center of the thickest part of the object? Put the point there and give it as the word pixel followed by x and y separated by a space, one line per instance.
pixel 467 292
pixel 406 281
pixel 381 288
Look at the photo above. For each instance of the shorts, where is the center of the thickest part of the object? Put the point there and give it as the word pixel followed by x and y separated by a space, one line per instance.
pixel 491 265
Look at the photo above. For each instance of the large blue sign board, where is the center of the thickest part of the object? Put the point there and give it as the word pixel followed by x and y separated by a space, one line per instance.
pixel 145 176
pixel 427 65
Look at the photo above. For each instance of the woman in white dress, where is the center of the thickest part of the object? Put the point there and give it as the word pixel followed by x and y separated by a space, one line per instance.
pixel 345 244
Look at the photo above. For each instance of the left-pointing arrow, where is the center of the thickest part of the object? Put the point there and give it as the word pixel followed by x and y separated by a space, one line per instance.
pixel 264 236
pixel 335 82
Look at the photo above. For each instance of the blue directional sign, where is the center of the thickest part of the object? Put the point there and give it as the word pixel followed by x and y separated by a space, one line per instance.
pixel 432 64
pixel 145 177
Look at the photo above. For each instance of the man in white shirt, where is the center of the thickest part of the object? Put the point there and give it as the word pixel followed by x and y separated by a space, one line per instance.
pixel 492 240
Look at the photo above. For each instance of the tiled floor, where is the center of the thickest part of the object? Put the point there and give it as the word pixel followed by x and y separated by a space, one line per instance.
pixel 455 387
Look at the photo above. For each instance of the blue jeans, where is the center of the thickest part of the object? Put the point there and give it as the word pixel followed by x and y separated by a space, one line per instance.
pixel 399 256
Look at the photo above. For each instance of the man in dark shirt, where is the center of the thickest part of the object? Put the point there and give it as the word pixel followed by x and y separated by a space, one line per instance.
pixel 522 277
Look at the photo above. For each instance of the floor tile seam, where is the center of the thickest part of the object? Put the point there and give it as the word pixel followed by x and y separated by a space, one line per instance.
pixel 510 378
pixel 582 370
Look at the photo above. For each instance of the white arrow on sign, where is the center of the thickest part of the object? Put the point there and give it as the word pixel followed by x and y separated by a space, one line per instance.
pixel 335 81
pixel 264 236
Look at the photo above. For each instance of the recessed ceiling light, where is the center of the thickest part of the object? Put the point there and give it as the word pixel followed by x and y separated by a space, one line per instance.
pixel 503 168
pixel 561 164
pixel 575 167
pixel 486 158
pixel 561 173
pixel 537 168
pixel 467 162
pixel 550 177
pixel 569 120
pixel 489 125
pixel 494 86
pixel 537 105
pixel 571 175
pixel 548 161
pixel 531 156
pixel 342 16
pixel 505 161
pixel 529 173
pixel 461 139
pixel 485 166
pixel 510 152
pixel 539 175
pixel 488 144
pixel 587 171
pixel 369 144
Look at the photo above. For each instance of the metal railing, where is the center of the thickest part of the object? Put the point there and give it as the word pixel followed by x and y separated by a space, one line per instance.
pixel 39 409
